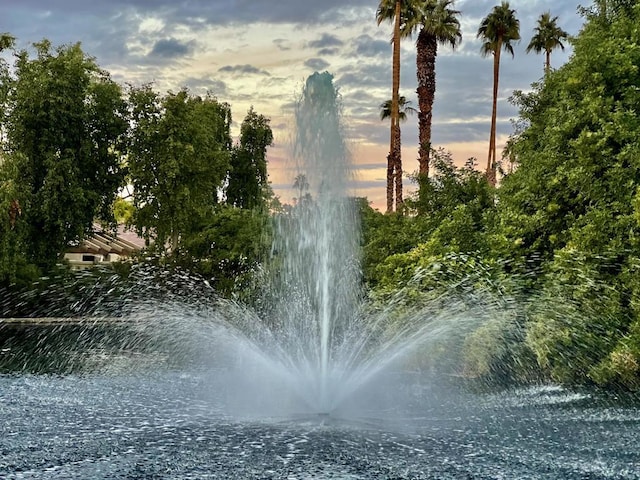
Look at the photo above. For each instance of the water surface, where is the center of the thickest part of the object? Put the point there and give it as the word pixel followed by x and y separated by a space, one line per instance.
pixel 174 424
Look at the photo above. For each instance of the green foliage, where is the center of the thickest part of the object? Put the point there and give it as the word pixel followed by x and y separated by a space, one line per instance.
pixel 123 210
pixel 14 266
pixel 178 160
pixel 383 236
pixel 248 182
pixel 450 217
pixel 404 107
pixel 579 317
pixel 577 157
pixel 65 129
pixel 451 186
pixel 571 205
pixel 228 247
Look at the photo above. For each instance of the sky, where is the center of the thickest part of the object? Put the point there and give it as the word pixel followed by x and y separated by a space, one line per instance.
pixel 259 53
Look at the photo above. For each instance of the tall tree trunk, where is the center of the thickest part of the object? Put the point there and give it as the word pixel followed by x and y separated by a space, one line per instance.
pixel 391 164
pixel 398 167
pixel 491 162
pixel 394 156
pixel 547 63
pixel 427 49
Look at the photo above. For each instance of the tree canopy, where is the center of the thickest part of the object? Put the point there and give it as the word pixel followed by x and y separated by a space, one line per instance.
pixel 65 136
pixel 248 181
pixel 179 156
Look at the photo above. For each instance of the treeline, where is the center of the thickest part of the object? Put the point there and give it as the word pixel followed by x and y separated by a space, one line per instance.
pixel 72 139
pixel 559 235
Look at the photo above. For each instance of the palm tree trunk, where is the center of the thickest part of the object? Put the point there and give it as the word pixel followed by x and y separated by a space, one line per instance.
pixel 426 74
pixel 491 162
pixel 395 156
pixel 391 163
pixel 547 63
pixel 398 167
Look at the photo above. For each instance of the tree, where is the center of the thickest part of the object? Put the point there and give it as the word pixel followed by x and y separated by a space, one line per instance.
pixel 178 159
pixel 226 247
pixel 248 182
pixel 548 37
pixel 301 184
pixel 65 134
pixel 573 205
pixel 392 10
pixel 7 41
pixel 497 31
pixel 404 107
pixel 607 10
pixel 386 109
pixel 438 24
pixel 11 246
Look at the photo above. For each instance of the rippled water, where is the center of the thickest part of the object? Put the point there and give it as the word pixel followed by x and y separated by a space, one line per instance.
pixel 173 425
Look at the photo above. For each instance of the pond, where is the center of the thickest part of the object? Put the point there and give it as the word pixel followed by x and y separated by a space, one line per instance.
pixel 171 423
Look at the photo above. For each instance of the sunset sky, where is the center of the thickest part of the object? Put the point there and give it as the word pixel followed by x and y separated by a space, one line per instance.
pixel 260 52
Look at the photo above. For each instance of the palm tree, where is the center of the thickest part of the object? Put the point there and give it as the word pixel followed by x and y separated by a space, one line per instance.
pixel 548 37
pixel 393 171
pixel 438 23
pixel 497 31
pixel 301 184
pixel 392 10
pixel 404 107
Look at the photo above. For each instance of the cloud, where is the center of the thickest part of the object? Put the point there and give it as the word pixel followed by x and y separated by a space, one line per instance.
pixel 326 40
pixel 316 64
pixel 171 48
pixel 206 84
pixel 372 75
pixel 193 12
pixel 282 44
pixel 367 46
pixel 243 70
pixel 328 51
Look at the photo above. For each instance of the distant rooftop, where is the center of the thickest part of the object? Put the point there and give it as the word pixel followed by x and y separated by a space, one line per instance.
pixel 104 242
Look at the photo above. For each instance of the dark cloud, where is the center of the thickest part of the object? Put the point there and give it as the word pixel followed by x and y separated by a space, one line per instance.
pixel 326 40
pixel 195 12
pixel 171 48
pixel 328 51
pixel 317 64
pixel 243 70
pixel 367 46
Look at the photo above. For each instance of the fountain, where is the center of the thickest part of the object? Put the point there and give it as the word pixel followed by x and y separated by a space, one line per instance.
pixel 317 342
pixel 313 381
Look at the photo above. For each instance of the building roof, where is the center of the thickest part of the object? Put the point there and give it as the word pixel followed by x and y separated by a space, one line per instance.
pixel 103 242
